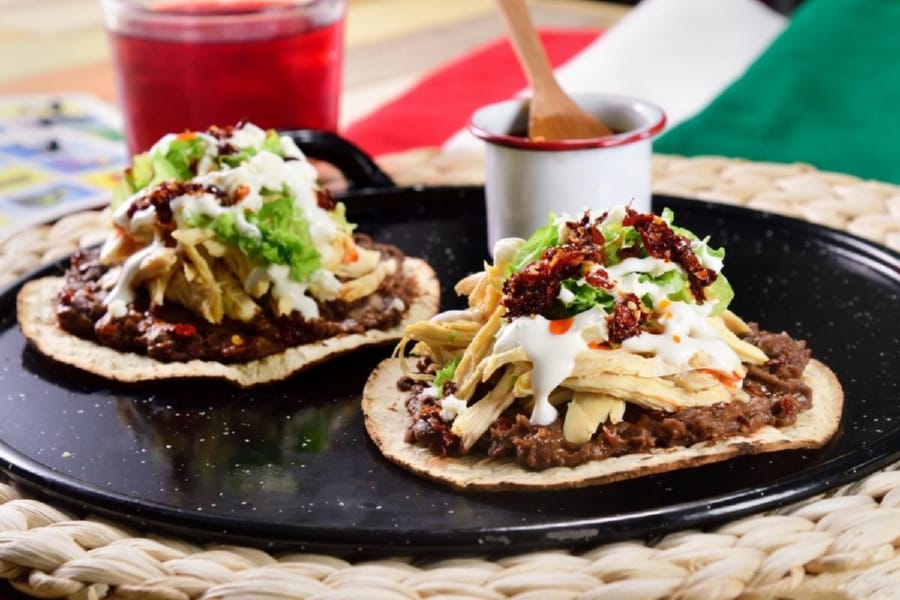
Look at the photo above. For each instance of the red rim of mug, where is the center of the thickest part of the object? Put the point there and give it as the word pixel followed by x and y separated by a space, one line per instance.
pixel 619 139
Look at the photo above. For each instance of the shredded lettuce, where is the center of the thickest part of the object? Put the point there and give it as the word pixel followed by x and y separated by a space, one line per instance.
pixel 444 374
pixel 531 250
pixel 720 293
pixel 673 280
pixel 180 160
pixel 339 215
pixel 586 297
pixel 272 143
pixel 284 235
pixel 618 237
pixel 151 168
pixel 235 159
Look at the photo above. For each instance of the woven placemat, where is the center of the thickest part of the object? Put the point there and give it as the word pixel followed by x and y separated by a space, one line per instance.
pixel 840 545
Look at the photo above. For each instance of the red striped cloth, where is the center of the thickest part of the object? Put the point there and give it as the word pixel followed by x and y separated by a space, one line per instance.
pixel 440 104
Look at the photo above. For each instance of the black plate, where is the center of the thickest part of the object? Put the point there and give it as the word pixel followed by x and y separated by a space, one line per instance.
pixel 290 465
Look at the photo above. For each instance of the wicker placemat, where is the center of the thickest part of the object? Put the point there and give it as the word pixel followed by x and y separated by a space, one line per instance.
pixel 842 545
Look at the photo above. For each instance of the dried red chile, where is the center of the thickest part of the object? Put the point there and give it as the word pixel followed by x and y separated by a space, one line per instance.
pixel 663 243
pixel 534 289
pixel 628 316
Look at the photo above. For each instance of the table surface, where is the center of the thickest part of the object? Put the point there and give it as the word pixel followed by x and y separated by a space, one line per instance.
pixel 52 46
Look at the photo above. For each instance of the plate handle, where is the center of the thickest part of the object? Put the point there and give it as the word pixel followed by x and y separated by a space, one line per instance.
pixel 357 167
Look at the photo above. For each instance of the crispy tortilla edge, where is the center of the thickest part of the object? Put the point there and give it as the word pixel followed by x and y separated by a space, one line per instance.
pixel 386 421
pixel 35 309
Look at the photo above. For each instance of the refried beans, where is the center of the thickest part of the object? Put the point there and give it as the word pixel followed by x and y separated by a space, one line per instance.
pixel 777 395
pixel 172 333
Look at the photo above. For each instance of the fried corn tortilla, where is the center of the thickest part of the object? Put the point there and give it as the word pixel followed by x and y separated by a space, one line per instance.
pixel 37 319
pixel 386 420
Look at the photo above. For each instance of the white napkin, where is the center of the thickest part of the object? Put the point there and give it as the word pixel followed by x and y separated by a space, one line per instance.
pixel 678 54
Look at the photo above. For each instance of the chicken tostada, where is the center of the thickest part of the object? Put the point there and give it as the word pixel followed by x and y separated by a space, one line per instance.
pixel 226 261
pixel 598 350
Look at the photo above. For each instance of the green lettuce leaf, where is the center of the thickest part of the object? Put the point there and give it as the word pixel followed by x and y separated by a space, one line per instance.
pixel 586 297
pixel 272 143
pixel 284 235
pixel 720 293
pixel 673 280
pixel 180 160
pixel 150 168
pixel 445 373
pixel 134 179
pixel 235 159
pixel 339 215
pixel 531 250
pixel 618 237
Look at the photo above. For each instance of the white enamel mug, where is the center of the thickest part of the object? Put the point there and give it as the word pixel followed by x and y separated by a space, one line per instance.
pixel 526 180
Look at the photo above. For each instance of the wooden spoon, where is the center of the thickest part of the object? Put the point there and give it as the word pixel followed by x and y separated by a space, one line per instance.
pixel 552 114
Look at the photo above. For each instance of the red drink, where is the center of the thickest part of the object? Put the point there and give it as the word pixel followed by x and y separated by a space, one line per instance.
pixel 189 65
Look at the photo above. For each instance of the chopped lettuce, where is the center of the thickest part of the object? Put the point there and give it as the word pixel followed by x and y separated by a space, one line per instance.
pixel 621 241
pixel 618 237
pixel 585 297
pixel 673 280
pixel 272 143
pixel 150 168
pixel 445 373
pixel 136 178
pixel 339 215
pixel 284 235
pixel 531 250
pixel 236 158
pixel 180 160
pixel 720 293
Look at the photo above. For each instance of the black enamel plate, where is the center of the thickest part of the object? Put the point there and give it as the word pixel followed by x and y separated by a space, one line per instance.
pixel 290 466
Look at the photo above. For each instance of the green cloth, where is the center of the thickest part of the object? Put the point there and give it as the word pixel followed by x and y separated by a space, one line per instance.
pixel 826 92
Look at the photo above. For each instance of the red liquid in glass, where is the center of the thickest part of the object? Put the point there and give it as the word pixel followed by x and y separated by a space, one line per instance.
pixel 284 74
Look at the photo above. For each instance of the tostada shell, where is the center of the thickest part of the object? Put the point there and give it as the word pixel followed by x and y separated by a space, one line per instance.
pixel 386 421
pixel 36 304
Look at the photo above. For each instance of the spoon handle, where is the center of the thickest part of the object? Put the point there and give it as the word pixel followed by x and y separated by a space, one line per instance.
pixel 527 45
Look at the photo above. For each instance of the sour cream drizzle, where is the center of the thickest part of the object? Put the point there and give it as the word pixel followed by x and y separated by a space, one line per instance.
pixel 627 274
pixel 122 293
pixel 552 355
pixel 686 333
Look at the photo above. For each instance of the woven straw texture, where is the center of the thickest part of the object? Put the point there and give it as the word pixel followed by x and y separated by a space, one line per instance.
pixel 845 544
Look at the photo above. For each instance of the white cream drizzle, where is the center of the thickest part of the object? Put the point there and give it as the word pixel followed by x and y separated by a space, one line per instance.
pixel 247 136
pixel 505 250
pixel 285 287
pixel 686 333
pixel 627 275
pixel 122 293
pixel 701 249
pixel 552 355
pixel 448 316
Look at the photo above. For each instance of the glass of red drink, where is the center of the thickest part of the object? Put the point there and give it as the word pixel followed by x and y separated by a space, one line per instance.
pixel 189 64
